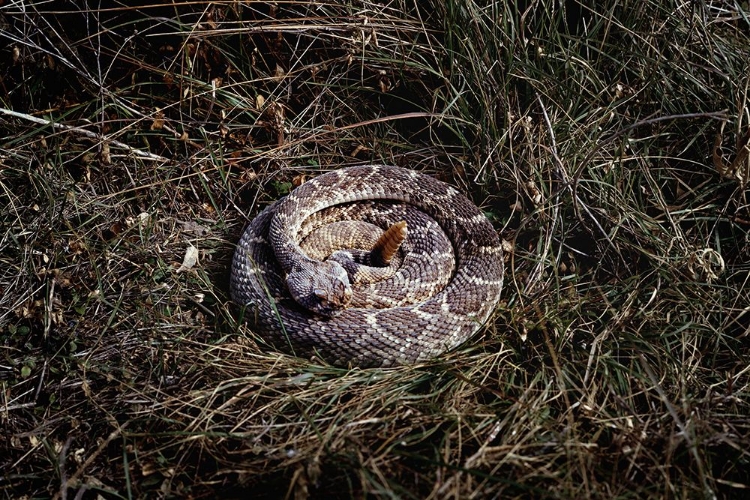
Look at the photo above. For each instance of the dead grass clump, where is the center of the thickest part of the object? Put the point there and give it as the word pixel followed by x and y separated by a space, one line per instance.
pixel 606 142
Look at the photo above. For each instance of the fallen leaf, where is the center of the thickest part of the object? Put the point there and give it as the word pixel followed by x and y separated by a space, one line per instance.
pixel 190 259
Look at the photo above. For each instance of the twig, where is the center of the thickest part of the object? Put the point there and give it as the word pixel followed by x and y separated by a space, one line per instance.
pixel 84 132
pixel 71 481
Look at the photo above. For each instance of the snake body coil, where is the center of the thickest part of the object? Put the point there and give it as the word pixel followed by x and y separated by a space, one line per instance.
pixel 433 300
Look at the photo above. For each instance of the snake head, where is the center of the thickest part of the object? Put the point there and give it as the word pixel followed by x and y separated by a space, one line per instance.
pixel 321 287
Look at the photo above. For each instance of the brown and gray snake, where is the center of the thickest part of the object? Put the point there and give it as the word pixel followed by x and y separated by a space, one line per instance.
pixel 445 282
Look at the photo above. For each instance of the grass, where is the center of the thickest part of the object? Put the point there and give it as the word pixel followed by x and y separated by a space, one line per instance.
pixel 605 140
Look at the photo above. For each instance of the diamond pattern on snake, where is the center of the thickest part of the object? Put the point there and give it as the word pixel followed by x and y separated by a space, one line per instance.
pixel 369 266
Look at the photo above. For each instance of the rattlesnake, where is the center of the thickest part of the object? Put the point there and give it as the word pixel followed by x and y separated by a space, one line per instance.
pixel 370 325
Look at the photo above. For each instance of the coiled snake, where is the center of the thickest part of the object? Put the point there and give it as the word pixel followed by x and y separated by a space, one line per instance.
pixel 441 285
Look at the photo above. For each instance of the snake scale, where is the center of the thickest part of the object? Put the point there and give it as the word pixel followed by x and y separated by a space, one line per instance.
pixel 430 301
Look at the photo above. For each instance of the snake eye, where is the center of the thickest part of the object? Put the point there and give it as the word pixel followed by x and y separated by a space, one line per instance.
pixel 320 293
